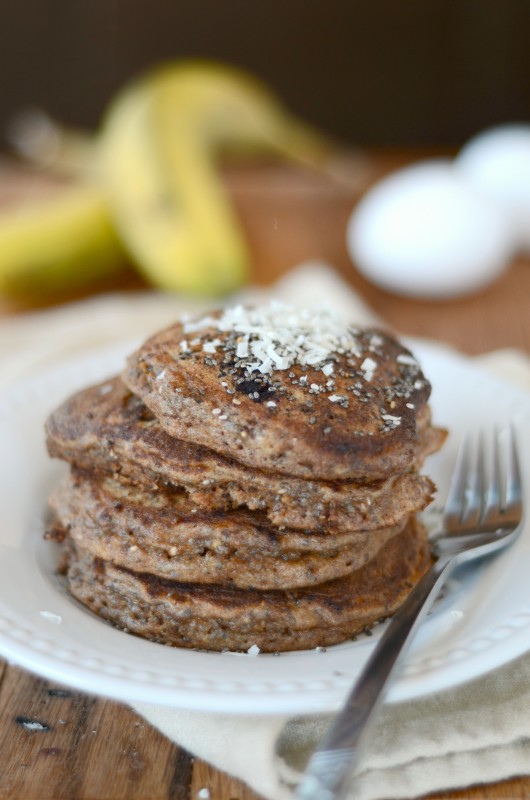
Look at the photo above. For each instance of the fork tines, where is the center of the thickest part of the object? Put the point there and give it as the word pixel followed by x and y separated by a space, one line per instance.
pixel 486 487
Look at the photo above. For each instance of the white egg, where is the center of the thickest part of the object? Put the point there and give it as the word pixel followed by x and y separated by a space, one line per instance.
pixel 497 163
pixel 423 231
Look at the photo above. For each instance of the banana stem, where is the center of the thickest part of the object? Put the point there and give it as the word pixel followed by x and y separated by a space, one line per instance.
pixel 41 141
pixel 302 145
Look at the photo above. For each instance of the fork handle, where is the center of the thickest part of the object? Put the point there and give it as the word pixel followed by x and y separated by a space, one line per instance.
pixel 331 767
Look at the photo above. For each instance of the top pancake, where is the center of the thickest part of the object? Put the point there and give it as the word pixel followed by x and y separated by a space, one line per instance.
pixel 288 391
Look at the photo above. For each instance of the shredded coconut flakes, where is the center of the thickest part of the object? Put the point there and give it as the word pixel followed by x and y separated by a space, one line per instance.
pixel 211 347
pixel 391 420
pixel 52 617
pixel 405 358
pixel 276 335
pixel 368 368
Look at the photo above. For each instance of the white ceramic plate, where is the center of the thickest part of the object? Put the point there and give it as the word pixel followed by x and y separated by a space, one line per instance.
pixel 482 622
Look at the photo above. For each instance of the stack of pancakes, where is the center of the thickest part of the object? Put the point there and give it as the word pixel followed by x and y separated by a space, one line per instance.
pixel 252 479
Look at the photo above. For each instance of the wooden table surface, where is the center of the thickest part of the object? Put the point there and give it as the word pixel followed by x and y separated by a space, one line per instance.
pixel 88 748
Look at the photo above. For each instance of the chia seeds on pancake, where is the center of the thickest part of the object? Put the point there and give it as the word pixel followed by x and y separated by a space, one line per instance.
pixel 253 479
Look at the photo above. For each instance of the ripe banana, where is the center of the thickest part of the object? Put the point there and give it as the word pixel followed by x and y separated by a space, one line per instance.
pixel 62 243
pixel 149 180
pixel 158 144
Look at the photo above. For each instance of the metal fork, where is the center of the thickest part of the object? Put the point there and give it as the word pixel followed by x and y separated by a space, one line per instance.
pixel 482 516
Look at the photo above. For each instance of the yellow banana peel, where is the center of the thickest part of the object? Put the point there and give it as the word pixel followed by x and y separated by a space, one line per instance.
pixel 63 243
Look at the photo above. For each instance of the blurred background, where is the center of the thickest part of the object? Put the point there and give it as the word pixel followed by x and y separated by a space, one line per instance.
pixel 392 82
pixel 381 73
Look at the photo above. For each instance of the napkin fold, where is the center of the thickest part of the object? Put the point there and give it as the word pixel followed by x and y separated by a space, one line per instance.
pixel 478 732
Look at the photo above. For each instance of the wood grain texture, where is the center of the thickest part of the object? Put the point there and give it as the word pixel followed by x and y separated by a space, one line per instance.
pixel 58 744
pixel 88 748
pixel 514 789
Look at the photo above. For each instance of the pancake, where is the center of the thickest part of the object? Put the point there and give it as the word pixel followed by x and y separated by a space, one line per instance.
pixel 287 391
pixel 220 618
pixel 252 478
pixel 107 429
pixel 158 533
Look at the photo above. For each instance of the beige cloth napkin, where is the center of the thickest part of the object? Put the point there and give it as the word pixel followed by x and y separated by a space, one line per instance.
pixel 479 732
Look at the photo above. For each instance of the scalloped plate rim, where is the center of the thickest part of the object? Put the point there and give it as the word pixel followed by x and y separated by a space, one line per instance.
pixel 47 632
